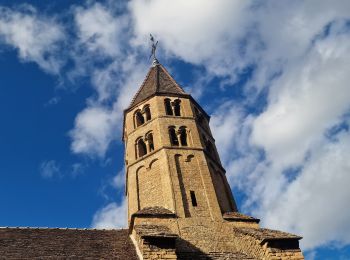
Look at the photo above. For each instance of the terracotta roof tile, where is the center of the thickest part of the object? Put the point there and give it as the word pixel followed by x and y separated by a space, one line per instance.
pixel 55 243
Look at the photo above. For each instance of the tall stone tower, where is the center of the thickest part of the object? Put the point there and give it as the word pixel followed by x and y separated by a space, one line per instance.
pixel 180 204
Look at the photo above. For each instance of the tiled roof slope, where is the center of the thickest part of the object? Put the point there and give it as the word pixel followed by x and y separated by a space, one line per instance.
pixel 149 211
pixel 158 80
pixel 239 217
pixel 51 243
pixel 264 234
pixel 154 231
pixel 213 256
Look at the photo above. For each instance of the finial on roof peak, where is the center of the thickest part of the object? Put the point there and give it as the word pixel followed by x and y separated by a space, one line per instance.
pixel 153 51
pixel 155 62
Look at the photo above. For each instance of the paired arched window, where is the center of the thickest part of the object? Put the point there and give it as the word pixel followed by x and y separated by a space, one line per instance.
pixel 172 108
pixel 140 117
pixel 178 137
pixel 144 145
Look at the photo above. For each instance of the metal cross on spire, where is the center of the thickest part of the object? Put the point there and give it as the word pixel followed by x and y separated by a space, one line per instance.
pixel 153 52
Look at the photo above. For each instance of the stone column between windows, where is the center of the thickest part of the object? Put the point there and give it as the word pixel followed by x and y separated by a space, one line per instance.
pixel 147 145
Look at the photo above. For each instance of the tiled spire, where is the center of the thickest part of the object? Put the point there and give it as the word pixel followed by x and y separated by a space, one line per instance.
pixel 157 81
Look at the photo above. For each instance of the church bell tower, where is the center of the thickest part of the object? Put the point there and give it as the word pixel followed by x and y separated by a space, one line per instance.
pixel 180 205
pixel 171 158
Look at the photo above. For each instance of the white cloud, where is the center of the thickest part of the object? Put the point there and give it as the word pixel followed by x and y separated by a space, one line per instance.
pixel 100 124
pixel 93 131
pixel 99 29
pixel 314 205
pixel 200 32
pixel 37 38
pixel 50 169
pixel 225 123
pixel 119 179
pixel 105 34
pixel 77 169
pixel 111 216
pixel 310 96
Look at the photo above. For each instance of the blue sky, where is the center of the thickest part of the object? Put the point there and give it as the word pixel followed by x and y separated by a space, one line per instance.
pixel 279 71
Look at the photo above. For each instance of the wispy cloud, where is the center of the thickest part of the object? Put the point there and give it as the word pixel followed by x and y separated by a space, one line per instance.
pixel 50 169
pixel 36 37
pixel 111 216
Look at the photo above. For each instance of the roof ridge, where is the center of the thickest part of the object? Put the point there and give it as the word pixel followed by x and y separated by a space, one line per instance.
pixel 157 80
pixel 143 83
pixel 60 228
pixel 171 78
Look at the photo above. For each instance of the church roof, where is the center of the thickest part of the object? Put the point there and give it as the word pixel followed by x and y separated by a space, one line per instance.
pixel 236 216
pixel 154 231
pixel 157 81
pixel 264 234
pixel 56 243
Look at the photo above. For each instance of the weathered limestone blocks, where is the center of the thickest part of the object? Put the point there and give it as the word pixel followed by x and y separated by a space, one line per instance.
pixel 203 238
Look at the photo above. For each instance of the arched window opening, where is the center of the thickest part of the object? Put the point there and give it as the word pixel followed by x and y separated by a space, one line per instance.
pixel 150 142
pixel 147 113
pixel 173 136
pixel 177 108
pixel 183 136
pixel 139 120
pixel 168 108
pixel 141 147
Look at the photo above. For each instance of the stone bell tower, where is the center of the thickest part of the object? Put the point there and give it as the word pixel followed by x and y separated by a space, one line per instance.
pixel 171 158
pixel 180 204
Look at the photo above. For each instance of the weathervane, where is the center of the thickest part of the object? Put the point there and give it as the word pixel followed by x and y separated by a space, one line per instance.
pixel 153 52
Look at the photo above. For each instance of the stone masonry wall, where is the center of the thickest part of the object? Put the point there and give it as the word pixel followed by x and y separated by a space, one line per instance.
pixel 156 248
pixel 200 236
pixel 188 161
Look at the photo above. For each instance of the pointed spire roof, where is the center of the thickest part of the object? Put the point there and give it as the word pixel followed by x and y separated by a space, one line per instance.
pixel 157 81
